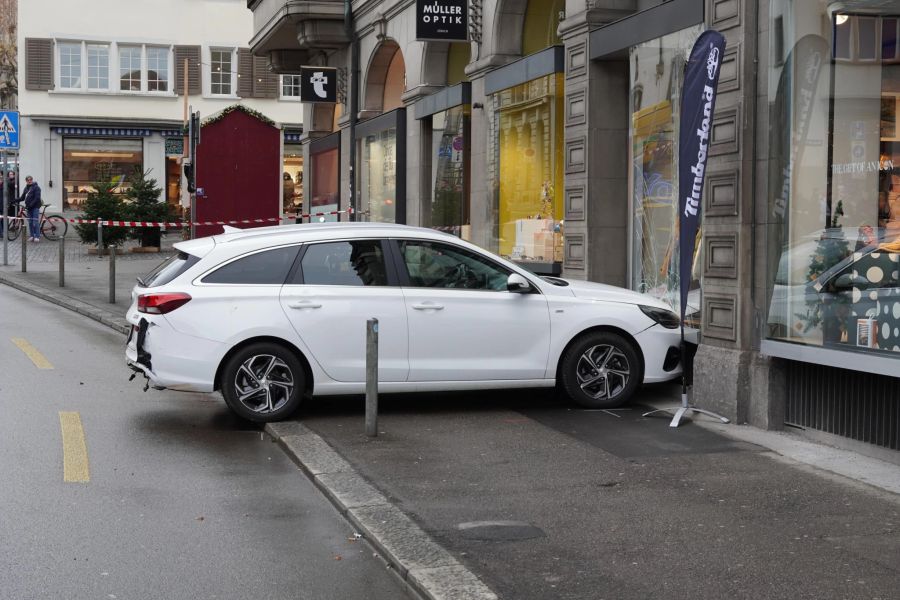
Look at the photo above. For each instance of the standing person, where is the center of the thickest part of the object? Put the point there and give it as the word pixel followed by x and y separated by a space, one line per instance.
pixel 32 198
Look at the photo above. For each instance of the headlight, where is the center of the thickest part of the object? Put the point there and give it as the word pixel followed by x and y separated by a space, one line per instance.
pixel 664 317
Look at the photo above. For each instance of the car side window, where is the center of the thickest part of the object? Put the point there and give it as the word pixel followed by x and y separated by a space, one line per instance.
pixel 269 267
pixel 438 265
pixel 352 262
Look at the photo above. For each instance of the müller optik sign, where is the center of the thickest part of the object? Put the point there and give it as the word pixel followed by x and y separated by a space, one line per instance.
pixel 446 20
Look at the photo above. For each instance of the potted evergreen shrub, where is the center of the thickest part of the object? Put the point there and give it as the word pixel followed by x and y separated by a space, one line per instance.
pixel 144 205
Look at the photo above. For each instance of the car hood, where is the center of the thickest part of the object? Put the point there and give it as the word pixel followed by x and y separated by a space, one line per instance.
pixel 611 293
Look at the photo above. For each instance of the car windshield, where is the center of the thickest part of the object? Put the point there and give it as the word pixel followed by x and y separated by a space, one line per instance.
pixel 168 270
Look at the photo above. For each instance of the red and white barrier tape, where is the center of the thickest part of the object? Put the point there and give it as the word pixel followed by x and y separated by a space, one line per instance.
pixel 110 223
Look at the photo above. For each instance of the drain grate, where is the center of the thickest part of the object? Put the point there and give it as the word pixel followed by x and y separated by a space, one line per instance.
pixel 504 531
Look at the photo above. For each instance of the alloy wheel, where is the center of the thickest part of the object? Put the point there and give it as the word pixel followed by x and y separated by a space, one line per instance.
pixel 603 371
pixel 263 383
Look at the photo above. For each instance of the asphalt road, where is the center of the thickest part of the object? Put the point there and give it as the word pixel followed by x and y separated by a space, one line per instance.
pixel 108 492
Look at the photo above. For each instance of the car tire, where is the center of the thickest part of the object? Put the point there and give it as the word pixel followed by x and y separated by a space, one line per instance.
pixel 263 382
pixel 600 370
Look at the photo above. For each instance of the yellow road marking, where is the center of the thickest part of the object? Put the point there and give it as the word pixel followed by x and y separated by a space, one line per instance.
pixel 39 360
pixel 75 458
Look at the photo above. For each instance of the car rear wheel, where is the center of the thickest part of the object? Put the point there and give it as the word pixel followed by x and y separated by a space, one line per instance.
pixel 600 370
pixel 263 382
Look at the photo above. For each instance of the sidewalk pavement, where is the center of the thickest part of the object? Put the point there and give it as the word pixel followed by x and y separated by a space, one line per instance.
pixel 519 496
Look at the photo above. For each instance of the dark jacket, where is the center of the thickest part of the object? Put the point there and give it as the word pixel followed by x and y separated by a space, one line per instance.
pixel 10 190
pixel 31 196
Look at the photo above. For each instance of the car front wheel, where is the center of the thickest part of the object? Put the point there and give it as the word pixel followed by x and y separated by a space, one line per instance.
pixel 263 383
pixel 600 370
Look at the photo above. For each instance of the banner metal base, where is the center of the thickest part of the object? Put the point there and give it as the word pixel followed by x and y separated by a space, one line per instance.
pixel 684 408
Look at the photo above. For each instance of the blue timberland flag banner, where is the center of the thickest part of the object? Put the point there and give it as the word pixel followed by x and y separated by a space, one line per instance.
pixel 698 102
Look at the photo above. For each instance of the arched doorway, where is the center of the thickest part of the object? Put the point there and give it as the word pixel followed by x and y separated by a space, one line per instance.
pixel 523 27
pixel 385 78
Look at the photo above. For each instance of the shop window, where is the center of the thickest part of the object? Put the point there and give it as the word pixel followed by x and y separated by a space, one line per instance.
pixel 449 207
pixel 656 69
pixel 292 179
pixel 324 182
pixel 834 184
pixel 87 160
pixel 378 176
pixel 527 170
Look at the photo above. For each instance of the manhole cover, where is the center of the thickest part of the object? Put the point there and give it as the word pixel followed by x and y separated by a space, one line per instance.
pixel 499 530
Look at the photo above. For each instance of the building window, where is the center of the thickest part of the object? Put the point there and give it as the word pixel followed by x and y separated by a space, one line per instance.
pixel 98 67
pixel 527 170
pixel 90 67
pixel 157 69
pixel 70 65
pixel 290 86
pixel 448 209
pixel 220 72
pixel 130 68
pixel 656 69
pixel 833 256
pixel 292 179
pixel 89 160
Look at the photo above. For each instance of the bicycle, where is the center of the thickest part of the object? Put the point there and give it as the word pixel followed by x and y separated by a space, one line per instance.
pixel 53 227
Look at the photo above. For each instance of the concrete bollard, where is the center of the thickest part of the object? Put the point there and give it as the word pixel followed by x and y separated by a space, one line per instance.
pixel 112 274
pixel 372 377
pixel 24 237
pixel 62 261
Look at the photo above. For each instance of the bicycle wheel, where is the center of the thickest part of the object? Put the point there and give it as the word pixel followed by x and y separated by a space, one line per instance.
pixel 54 227
pixel 15 228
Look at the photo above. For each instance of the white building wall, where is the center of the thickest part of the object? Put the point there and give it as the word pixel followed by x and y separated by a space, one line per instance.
pixel 207 23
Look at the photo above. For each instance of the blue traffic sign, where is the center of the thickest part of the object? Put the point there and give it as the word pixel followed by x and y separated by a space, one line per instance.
pixel 9 130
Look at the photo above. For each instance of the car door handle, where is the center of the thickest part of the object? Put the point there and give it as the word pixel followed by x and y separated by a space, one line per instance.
pixel 304 304
pixel 428 306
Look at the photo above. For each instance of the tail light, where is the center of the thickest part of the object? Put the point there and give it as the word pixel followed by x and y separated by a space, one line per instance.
pixel 160 304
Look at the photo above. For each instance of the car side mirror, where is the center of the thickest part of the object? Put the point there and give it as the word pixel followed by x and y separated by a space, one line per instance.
pixel 517 284
pixel 847 281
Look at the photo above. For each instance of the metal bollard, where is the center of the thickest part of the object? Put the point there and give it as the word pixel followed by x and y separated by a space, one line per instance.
pixel 22 232
pixel 62 261
pixel 372 377
pixel 112 274
pixel 100 239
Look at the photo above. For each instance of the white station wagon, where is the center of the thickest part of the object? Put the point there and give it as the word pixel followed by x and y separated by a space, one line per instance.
pixel 269 316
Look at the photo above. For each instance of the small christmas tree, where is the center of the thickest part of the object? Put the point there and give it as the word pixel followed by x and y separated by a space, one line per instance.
pixel 103 204
pixel 144 205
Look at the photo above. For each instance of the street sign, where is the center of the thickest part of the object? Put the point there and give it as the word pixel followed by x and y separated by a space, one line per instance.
pixel 318 84
pixel 9 130
pixel 442 20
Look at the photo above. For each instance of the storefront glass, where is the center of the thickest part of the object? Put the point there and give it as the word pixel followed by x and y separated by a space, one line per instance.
pixel 324 185
pixel 86 160
pixel 834 176
pixel 449 209
pixel 656 68
pixel 378 176
pixel 292 179
pixel 174 149
pixel 526 171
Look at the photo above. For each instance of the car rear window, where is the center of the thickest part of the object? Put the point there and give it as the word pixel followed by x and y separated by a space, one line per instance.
pixel 269 267
pixel 168 270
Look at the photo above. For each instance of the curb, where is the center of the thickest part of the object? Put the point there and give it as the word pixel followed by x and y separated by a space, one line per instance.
pixel 105 317
pixel 421 563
